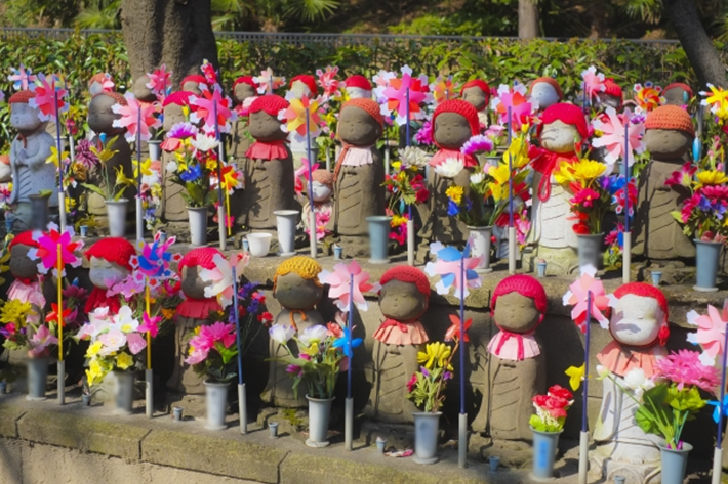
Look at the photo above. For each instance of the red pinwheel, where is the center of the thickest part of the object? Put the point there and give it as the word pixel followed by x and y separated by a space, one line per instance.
pixel 49 98
pixel 48 250
pixel 453 332
pixel 340 282
pixel 396 94
pixel 577 296
pixel 206 109
pixel 135 117
pixel 52 317
pixel 514 98
pixel 22 78
pixel 159 81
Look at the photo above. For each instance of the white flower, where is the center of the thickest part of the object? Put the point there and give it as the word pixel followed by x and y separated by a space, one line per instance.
pixel 313 334
pixel 414 156
pixel 449 168
pixel 125 321
pixel 113 341
pixel 477 178
pixel 603 372
pixel 202 142
pixel 171 167
pixel 281 333
pixel 636 381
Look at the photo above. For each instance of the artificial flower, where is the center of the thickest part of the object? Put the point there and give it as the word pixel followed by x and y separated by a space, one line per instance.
pixel 576 375
pixel 685 369
pixel 124 360
pixel 711 177
pixel 436 354
pixel 282 333
pixel 449 168
pixel 453 332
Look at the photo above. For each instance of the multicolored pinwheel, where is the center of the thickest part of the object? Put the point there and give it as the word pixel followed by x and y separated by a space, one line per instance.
pixel 397 92
pixel 22 78
pixel 154 259
pixel 222 277
pixel 443 89
pixel 592 82
pixel 340 282
pixel 717 99
pixel 327 80
pixel 54 244
pixel 577 296
pixel 212 103
pixel 159 82
pixel 648 96
pixel 267 82
pixel 611 127
pixel 49 98
pixel 514 98
pixel 208 70
pixel 135 117
pixel 711 333
pixel 295 117
pixel 447 266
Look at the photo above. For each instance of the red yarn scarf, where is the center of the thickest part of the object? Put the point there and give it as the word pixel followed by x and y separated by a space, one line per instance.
pixel 546 162
pixel 267 150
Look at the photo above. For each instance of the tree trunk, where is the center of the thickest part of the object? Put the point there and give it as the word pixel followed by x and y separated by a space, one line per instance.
pixel 600 17
pixel 698 46
pixel 527 19
pixel 177 33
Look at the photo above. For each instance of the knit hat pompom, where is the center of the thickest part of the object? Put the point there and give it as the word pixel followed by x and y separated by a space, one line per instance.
pixel 463 108
pixel 198 257
pixel 24 238
pixel 271 104
pixel 21 97
pixel 526 286
pixel 367 105
pixel 358 81
pixel 194 78
pixel 680 85
pixel 324 177
pixel 245 80
pixel 408 274
pixel 113 249
pixel 304 266
pixel 612 88
pixel 644 289
pixel 550 81
pixel 310 81
pixel 567 113
pixel 482 85
pixel 670 117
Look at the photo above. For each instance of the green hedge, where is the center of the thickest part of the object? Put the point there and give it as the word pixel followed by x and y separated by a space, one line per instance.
pixel 496 60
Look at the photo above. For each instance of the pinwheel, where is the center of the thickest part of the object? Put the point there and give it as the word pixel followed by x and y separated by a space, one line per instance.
pixel 381 82
pixel 612 134
pixel 209 72
pixel 711 333
pixel 515 100
pixel 214 109
pixel 404 96
pixel 221 277
pixel 296 115
pixel 49 98
pixel 159 82
pixel 340 281
pixel 267 82
pixel 648 96
pixel 135 118
pixel 447 266
pixel 443 89
pixel 587 286
pixel 453 332
pixel 154 259
pixel 22 78
pixel 717 99
pixel 305 171
pixel 592 82
pixel 327 80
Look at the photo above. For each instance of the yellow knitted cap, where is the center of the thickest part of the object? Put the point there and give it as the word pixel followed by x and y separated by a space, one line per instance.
pixel 305 267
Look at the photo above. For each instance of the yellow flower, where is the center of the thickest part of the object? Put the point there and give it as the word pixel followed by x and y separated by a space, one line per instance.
pixel 576 375
pixel 186 111
pixel 517 153
pixel 96 372
pixel 167 313
pixel 146 168
pixel 124 361
pixel 711 177
pixel 564 174
pixel 94 349
pixel 15 311
pixel 500 174
pixel 211 164
pixel 54 156
pixel 437 354
pixel 121 178
pixel 455 193
pixel 588 170
pixel 70 204
pixel 398 220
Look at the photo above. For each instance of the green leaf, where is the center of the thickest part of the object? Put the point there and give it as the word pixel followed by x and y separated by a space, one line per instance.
pixel 94 189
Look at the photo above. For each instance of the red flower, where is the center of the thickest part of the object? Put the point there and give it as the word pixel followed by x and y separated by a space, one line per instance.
pixel 411 383
pixel 715 192
pixel 540 400
pixel 334 329
pixel 560 392
pixel 259 297
pixel 265 317
pixel 585 197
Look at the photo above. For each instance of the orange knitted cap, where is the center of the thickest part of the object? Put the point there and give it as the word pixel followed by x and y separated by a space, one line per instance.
pixel 21 97
pixel 117 96
pixel 463 108
pixel 548 80
pixel 670 117
pixel 367 105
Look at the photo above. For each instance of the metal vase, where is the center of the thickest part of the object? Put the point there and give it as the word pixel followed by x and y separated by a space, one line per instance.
pixel 37 377
pixel 427 433
pixel 155 149
pixel 707 256
pixel 39 211
pixel 319 410
pixel 480 237
pixel 379 228
pixel 216 396
pixel 589 249
pixel 545 445
pixel 674 463
pixel 123 391
pixel 116 212
pixel 198 225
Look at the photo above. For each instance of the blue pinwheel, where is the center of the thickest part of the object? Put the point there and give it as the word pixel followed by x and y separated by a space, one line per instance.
pixel 343 342
pixel 447 266
pixel 154 259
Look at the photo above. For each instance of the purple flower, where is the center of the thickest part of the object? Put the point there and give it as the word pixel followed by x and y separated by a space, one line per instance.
pixel 477 143
pixel 247 289
pixel 84 155
pixel 447 375
pixel 294 370
pixel 425 372
pixel 182 131
pixel 704 204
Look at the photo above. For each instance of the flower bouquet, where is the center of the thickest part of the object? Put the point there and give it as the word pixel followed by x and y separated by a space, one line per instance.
pixel 110 190
pixel 213 351
pixel 195 159
pixel 22 329
pixel 427 385
pixel 551 410
pixel 407 187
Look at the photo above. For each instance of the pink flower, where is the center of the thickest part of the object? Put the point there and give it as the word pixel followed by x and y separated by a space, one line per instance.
pixel 327 80
pixel 685 369
pixel 212 333
pixel 159 80
pixel 683 176
pixel 585 198
pixel 689 205
pixel 151 325
pixel 40 341
pixel 196 356
pixel 135 342
pixel 477 143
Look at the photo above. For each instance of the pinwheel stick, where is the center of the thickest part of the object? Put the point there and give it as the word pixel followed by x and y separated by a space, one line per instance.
pixel 242 403
pixel 149 374
pixel 511 224
pixel 463 417
pixel 626 233
pixel 718 454
pixel 312 215
pixel 139 211
pixel 61 367
pixel 221 212
pixel 349 413
pixel 584 434
pixel 61 191
pixel 410 222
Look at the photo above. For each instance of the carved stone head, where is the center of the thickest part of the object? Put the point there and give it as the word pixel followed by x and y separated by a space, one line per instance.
pixel 477 93
pixel 360 123
pixel 639 315
pixel 296 283
pixel 24 117
pixel 243 89
pixel 263 123
pixel 101 116
pixel 563 127
pixel 141 91
pixel 518 304
pixel 546 91
pixel 455 122
pixel 669 133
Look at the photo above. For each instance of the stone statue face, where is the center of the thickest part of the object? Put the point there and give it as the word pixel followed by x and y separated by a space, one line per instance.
pixel 243 91
pixel 545 94
pixel 24 117
pixel 559 137
pixel 636 320
pixel 605 100
pixel 321 192
pixel 20 264
pixel 100 115
pixel 296 292
pixel 676 96
pixel 141 91
pixel 516 313
pixel 359 93
pixel 172 115
pixel 475 96
pixel 667 145
pixel 192 285
pixel 451 130
pixel 192 86
pixel 357 127
pixel 401 300
pixel 300 89
pixel 102 272
pixel 264 127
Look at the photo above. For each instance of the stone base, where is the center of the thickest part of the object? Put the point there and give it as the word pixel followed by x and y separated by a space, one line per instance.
pixel 673 272
pixel 560 261
pixel 354 247
pixel 513 454
pixel 601 467
pixel 398 437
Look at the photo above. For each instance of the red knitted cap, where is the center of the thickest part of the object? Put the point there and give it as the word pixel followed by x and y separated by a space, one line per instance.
pixel 100 78
pixel 194 78
pixel 568 114
pixel 198 257
pixel 548 80
pixel 358 81
pixel 480 84
pixel 680 85
pixel 112 249
pixel 463 108
pixel 180 98
pixel 270 103
pixel 24 238
pixel 310 81
pixel 368 105
pixel 245 80
pixel 526 286
pixel 670 117
pixel 117 96
pixel 21 97
pixel 612 88
pixel 408 274
pixel 5 159
pixel 644 289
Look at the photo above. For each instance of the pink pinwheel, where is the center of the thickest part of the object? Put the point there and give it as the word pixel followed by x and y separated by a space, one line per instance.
pixel 577 297
pixel 159 81
pixel 206 109
pixel 515 98
pixel 48 97
pixel 327 80
pixel 135 117
pixel 612 138
pixel 443 89
pixel 22 78
pixel 47 252
pixel 592 82
pixel 295 116
pixel 340 282
pixel 221 277
pixel 267 82
pixel 396 95
pixel 447 266
pixel 151 325
pixel 304 170
pixel 381 82
pixel 711 332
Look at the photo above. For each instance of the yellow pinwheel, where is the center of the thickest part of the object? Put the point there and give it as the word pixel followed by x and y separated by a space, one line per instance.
pixel 295 116
pixel 146 168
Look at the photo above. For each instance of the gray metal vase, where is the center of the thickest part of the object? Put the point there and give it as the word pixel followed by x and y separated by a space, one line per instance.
pixel 124 391
pixel 116 211
pixel 427 433
pixel 216 396
pixel 319 411
pixel 674 462
pixel 589 249
pixel 198 225
pixel 707 261
pixel 545 445
pixel 37 377
pixel 480 237
pixel 379 229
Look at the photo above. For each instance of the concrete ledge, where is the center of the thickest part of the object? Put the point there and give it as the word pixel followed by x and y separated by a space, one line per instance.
pixel 78 432
pixel 9 416
pixel 213 455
